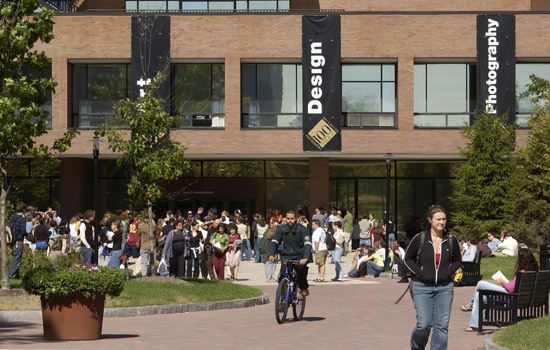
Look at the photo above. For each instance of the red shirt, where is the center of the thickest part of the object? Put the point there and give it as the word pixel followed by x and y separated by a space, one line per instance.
pixel 437 258
pixel 133 236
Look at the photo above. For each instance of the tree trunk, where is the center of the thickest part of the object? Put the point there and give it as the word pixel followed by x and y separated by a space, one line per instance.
pixel 151 238
pixel 3 213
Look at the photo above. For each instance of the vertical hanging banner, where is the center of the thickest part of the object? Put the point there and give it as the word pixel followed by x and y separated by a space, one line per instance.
pixel 150 53
pixel 322 83
pixel 496 65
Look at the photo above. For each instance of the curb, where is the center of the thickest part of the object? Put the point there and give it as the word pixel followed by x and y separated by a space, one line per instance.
pixel 489 345
pixel 16 316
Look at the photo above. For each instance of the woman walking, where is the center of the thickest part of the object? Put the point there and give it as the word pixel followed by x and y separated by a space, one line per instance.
pixel 116 240
pixel 175 249
pixel 261 229
pixel 432 286
pixel 234 256
pixel 195 237
pixel 269 267
pixel 220 242
pixel 338 251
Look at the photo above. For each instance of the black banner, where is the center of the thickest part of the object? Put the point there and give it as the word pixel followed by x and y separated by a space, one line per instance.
pixel 322 83
pixel 496 65
pixel 150 53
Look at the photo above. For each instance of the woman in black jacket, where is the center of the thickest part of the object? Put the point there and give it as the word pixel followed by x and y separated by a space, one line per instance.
pixel 432 258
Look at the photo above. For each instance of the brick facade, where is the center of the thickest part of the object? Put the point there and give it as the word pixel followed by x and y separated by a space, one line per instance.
pixel 398 37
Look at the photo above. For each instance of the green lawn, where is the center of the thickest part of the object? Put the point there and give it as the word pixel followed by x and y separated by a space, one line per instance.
pixel 150 293
pixel 526 335
pixel 505 264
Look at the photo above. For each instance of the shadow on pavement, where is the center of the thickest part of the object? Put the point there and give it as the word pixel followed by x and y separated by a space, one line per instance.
pixel 313 319
pixel 119 336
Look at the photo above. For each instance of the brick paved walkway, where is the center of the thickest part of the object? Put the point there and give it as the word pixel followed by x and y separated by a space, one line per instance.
pixel 343 315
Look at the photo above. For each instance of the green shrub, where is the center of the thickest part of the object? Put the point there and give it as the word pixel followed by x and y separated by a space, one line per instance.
pixel 59 281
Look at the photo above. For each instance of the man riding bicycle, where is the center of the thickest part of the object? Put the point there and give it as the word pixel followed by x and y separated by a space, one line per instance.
pixel 296 246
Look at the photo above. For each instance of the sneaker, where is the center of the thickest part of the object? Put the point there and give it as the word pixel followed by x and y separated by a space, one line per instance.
pixel 403 280
pixel 304 292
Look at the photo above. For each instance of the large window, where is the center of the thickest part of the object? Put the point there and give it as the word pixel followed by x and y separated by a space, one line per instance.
pixel 211 5
pixel 368 95
pixel 271 96
pixel 96 88
pixel 444 94
pixel 199 94
pixel 525 106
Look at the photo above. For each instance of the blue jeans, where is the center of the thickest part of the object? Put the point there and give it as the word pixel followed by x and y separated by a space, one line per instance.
pixel 391 238
pixel 373 269
pixel 433 309
pixel 86 254
pixel 481 285
pixel 365 241
pixel 17 253
pixel 114 262
pixel 246 249
pixel 352 272
pixel 258 257
pixel 337 257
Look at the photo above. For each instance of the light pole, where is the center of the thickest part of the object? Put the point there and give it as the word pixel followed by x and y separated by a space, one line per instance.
pixel 388 173
pixel 95 140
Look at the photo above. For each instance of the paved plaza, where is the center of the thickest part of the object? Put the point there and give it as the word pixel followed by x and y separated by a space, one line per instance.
pixel 341 315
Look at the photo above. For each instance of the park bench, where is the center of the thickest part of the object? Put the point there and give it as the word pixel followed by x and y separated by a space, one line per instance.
pixel 471 271
pixel 529 300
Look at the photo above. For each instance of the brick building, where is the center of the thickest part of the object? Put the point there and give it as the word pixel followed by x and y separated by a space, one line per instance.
pixel 408 82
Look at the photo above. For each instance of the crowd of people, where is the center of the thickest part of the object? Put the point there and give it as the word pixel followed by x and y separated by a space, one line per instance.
pixel 212 245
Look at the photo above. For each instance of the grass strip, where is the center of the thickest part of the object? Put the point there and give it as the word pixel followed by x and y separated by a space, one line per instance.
pixel 526 335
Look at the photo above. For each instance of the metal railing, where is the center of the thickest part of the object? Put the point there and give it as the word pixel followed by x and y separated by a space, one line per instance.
pixel 64 6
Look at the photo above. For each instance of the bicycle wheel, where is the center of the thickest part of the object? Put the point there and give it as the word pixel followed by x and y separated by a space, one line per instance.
pixel 281 301
pixel 299 306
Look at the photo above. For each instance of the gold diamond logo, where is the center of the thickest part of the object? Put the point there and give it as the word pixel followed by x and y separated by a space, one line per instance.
pixel 322 133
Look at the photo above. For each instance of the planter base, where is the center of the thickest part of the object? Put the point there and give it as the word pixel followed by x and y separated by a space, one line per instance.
pixel 72 317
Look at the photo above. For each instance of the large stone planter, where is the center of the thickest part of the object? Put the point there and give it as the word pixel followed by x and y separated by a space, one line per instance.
pixel 73 317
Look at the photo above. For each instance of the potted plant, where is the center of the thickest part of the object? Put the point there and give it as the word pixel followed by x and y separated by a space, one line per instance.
pixel 73 298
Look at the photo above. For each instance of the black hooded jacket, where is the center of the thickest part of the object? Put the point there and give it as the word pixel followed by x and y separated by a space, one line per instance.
pixel 424 270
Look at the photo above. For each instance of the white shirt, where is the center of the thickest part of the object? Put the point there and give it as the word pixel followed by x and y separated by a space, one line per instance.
pixel 242 230
pixel 337 235
pixel 320 236
pixel 509 246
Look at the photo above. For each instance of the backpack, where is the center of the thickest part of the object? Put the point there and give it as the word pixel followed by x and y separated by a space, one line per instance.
pixel 10 240
pixel 263 246
pixel 330 241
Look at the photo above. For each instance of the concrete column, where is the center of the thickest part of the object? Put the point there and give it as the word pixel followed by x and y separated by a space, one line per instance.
pixel 318 183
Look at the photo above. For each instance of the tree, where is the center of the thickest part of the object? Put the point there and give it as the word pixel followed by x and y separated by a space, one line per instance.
pixel 486 185
pixel 531 220
pixel 21 96
pixel 151 159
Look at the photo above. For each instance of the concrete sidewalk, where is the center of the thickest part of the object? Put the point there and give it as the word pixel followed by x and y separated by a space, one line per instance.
pixel 359 313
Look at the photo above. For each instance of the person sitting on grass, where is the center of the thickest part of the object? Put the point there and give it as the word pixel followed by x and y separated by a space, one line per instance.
pixel 525 262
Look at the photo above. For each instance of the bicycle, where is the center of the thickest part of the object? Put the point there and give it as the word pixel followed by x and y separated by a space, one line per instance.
pixel 287 294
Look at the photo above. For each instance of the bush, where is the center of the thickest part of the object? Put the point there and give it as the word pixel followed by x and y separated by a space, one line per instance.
pixel 59 281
